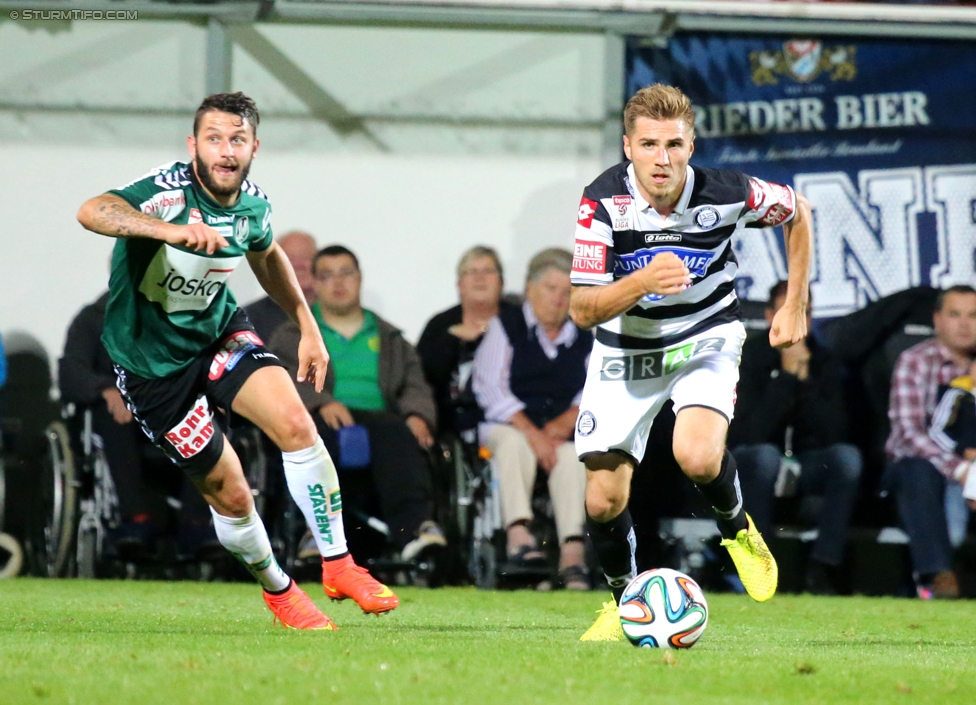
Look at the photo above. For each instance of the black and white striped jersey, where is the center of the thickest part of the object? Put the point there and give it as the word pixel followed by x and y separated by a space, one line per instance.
pixel 618 232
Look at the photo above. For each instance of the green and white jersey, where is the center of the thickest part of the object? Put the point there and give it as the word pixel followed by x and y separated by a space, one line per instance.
pixel 168 303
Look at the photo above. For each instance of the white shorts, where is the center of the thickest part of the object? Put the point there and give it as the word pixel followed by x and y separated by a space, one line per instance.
pixel 625 389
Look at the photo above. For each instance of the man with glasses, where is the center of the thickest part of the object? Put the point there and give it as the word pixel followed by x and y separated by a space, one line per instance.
pixel 375 381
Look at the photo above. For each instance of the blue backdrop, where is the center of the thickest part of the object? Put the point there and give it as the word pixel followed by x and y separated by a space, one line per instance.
pixel 880 135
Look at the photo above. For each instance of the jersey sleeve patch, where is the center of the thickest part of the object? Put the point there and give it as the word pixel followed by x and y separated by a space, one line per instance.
pixel 590 257
pixel 587 209
pixel 769 204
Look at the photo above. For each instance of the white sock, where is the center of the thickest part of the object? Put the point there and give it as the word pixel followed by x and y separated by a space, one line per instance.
pixel 247 539
pixel 314 485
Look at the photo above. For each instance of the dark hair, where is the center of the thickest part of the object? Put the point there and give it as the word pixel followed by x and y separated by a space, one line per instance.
pixel 955 289
pixel 779 289
pixel 334 251
pixel 234 103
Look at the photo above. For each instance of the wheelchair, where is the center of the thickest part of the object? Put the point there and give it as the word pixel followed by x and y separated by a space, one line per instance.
pixel 78 507
pixel 472 518
pixel 79 504
pixel 78 500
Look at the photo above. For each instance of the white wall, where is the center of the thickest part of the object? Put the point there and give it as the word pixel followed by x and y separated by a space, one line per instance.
pixel 408 219
pixel 477 137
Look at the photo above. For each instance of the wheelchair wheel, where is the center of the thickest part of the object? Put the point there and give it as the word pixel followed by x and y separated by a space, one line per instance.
pixel 59 501
pixel 87 553
pixel 483 564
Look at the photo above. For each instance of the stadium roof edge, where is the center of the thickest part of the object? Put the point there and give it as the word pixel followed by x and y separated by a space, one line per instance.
pixel 628 17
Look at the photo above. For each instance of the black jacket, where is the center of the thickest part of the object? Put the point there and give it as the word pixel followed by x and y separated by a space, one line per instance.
pixel 447 364
pixel 769 400
pixel 85 370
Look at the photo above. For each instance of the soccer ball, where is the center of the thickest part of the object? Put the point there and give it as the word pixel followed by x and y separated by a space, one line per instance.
pixel 663 608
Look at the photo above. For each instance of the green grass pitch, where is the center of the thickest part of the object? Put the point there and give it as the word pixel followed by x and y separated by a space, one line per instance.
pixel 107 642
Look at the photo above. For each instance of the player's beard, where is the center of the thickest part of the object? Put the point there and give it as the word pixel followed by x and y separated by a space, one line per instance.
pixel 206 178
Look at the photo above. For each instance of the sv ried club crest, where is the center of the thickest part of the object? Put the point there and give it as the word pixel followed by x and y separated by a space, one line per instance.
pixel 241 230
pixel 803 60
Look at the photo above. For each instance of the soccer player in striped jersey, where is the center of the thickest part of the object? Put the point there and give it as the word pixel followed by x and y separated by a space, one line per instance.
pixel 654 272
pixel 181 345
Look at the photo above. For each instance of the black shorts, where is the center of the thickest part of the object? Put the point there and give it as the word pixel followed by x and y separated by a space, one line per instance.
pixel 176 412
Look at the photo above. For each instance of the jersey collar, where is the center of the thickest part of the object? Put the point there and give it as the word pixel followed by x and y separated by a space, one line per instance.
pixel 683 201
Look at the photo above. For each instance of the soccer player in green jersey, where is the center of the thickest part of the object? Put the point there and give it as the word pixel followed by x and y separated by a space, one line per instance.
pixel 180 345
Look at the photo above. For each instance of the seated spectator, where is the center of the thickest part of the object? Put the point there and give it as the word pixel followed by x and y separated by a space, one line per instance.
pixel 265 315
pixel 790 417
pixel 450 338
pixel 528 376
pixel 86 378
pixel 374 380
pixel 921 469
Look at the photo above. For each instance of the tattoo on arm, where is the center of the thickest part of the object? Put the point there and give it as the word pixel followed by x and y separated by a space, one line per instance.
pixel 114 216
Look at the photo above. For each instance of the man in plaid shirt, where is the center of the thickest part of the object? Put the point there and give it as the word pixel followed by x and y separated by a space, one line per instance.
pixel 919 468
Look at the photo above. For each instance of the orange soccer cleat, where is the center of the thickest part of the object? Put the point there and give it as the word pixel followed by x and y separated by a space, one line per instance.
pixel 342 578
pixel 295 609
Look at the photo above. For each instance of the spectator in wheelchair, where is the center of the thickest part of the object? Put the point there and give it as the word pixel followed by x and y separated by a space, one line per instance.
pixel 450 339
pixel 374 382
pixel 86 378
pixel 790 438
pixel 265 315
pixel 528 376
pixel 931 448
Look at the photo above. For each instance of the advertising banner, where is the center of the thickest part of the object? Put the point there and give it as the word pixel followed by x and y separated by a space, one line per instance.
pixel 878 134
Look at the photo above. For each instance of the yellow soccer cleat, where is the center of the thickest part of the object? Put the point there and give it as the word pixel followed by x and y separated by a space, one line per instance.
pixel 607 625
pixel 755 564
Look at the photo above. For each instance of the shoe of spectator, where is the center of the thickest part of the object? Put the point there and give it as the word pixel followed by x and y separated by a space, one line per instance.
pixel 429 535
pixel 198 541
pixel 574 577
pixel 134 538
pixel 820 579
pixel 945 586
pixel 942 586
pixel 307 548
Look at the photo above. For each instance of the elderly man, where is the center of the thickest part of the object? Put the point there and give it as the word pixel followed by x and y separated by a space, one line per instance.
pixel 375 381
pixel 265 315
pixel 922 469
pixel 528 375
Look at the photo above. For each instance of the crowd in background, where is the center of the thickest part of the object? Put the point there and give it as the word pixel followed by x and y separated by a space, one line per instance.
pixel 504 373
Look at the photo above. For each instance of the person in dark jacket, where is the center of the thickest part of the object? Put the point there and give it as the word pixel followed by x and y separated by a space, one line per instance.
pixel 449 341
pixel 265 315
pixel 790 434
pixel 374 381
pixel 86 378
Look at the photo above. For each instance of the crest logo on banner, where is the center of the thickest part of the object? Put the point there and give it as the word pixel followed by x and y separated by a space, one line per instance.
pixel 803 60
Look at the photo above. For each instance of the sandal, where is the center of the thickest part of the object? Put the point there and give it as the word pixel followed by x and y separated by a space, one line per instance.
pixel 575 577
pixel 526 556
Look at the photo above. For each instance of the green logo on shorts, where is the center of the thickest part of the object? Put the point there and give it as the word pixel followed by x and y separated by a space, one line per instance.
pixel 655 364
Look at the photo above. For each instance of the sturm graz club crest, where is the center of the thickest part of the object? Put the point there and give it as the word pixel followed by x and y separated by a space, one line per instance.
pixel 241 231
pixel 707 217
pixel 586 423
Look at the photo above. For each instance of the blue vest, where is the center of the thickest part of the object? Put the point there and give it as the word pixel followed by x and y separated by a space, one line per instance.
pixel 546 387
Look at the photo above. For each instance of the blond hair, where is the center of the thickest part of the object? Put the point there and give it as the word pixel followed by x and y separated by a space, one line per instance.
pixel 477 252
pixel 659 102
